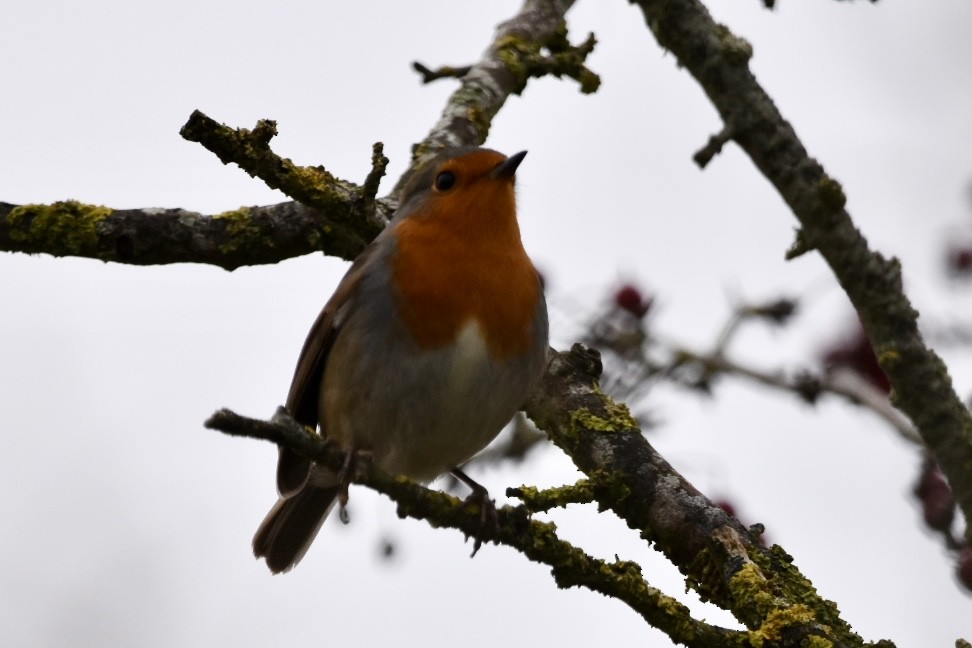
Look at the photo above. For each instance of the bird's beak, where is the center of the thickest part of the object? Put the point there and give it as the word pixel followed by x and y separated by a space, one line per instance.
pixel 507 167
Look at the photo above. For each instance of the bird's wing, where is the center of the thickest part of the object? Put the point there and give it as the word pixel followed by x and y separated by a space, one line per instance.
pixel 304 396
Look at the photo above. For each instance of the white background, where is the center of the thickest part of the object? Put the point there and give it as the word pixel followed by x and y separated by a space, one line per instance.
pixel 127 523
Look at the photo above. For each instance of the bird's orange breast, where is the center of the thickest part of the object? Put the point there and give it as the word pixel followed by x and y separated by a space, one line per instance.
pixel 455 265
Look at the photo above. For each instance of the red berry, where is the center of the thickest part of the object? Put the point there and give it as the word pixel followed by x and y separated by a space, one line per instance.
pixel 963 568
pixel 937 500
pixel 726 506
pixel 960 260
pixel 854 352
pixel 630 299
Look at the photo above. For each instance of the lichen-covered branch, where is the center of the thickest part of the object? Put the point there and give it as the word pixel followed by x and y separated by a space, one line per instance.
pixel 922 388
pixel 723 561
pixel 570 566
pixel 331 215
pixel 561 58
pixel 514 56
pixel 344 202
pixel 245 236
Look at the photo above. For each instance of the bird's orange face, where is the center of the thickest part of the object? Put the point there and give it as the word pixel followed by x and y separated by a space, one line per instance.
pixel 464 195
pixel 460 258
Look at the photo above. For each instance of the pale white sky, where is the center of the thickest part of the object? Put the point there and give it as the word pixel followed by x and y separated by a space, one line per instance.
pixel 127 523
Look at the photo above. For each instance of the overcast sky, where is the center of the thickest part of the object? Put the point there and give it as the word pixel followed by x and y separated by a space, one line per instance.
pixel 127 523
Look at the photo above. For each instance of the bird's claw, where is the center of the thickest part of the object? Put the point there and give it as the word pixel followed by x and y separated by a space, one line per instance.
pixel 488 516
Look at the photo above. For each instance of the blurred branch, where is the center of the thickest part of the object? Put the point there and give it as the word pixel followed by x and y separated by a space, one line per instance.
pixel 922 388
pixel 808 387
pixel 623 331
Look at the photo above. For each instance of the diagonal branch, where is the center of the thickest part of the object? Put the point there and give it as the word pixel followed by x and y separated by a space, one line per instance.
pixel 345 202
pixel 922 388
pixel 723 561
pixel 504 69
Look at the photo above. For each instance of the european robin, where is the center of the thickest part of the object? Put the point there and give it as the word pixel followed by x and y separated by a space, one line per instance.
pixel 430 344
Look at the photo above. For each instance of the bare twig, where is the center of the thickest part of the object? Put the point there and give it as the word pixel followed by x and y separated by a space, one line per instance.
pixel 502 71
pixel 343 201
pixel 444 72
pixel 713 147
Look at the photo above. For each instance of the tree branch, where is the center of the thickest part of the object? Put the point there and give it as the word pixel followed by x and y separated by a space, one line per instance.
pixel 333 216
pixel 504 69
pixel 723 561
pixel 922 388
pixel 344 202
pixel 245 236
pixel 444 72
pixel 570 566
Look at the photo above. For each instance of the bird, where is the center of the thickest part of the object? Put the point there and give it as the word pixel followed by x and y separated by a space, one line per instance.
pixel 432 341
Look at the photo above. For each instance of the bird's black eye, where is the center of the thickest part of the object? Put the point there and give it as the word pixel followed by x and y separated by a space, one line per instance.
pixel 445 181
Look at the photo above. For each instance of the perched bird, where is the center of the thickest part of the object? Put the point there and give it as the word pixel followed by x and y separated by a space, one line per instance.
pixel 430 344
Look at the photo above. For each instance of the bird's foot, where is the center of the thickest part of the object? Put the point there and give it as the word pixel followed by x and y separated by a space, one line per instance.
pixel 345 476
pixel 479 498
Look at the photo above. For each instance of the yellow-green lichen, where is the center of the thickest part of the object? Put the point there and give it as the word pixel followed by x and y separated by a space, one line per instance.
pixel 611 488
pixel 240 229
pixel 735 48
pixel 62 228
pixel 471 98
pixel 316 187
pixel 779 620
pixel 517 55
pixel 618 418
pixel 538 500
pixel 831 194
pixel 704 575
pixel 798 589
pixel 749 587
pixel 889 357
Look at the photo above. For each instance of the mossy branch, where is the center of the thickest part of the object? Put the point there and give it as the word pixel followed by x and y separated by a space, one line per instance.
pixel 538 541
pixel 922 387
pixel 541 500
pixel 723 561
pixel 331 216
pixel 514 56
pixel 344 202
pixel 557 57
pixel 150 236
pixel 630 478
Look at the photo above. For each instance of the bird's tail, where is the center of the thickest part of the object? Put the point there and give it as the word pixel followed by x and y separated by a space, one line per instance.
pixel 291 526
